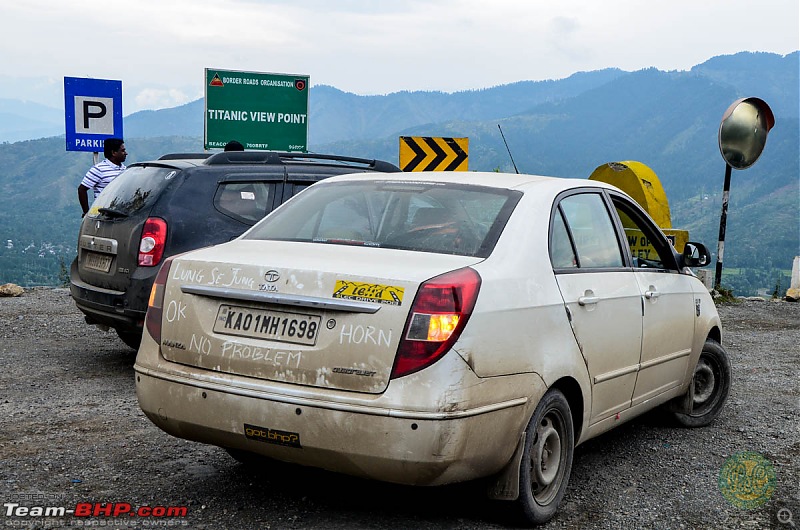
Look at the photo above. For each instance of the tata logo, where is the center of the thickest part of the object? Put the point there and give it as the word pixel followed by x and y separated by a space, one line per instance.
pixel 272 276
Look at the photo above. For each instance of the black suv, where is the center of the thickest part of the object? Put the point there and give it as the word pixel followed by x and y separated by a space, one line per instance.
pixel 178 203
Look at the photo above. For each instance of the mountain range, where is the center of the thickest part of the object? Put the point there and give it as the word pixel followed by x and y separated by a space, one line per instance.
pixel 568 127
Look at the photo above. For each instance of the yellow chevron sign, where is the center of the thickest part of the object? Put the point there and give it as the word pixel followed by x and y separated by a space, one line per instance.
pixel 421 153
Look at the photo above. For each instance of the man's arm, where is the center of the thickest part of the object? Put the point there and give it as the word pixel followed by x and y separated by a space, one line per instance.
pixel 83 198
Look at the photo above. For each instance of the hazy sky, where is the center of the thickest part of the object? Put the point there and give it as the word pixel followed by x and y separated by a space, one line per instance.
pixel 160 48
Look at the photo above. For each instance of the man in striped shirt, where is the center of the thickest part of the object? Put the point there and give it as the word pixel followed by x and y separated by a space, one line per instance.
pixel 101 174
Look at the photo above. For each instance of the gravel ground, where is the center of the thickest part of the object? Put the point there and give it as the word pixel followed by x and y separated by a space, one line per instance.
pixel 71 432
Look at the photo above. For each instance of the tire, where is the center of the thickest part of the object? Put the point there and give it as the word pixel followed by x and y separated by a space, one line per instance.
pixel 547 458
pixel 712 383
pixel 131 338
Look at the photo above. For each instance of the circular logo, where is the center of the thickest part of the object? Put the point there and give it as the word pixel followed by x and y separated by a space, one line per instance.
pixel 272 276
pixel 330 324
pixel 747 480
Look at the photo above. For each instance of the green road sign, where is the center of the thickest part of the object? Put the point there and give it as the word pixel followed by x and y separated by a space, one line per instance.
pixel 262 111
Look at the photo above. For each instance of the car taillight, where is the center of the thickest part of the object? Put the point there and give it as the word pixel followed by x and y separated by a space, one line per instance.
pixel 438 315
pixel 155 305
pixel 151 246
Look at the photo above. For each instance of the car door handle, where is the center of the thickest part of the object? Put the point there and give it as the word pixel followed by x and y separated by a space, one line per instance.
pixel 651 294
pixel 588 300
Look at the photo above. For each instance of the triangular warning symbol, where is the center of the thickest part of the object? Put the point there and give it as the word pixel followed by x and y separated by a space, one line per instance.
pixel 216 81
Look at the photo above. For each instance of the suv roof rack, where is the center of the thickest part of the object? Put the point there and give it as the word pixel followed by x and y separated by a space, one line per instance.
pixel 185 156
pixel 276 157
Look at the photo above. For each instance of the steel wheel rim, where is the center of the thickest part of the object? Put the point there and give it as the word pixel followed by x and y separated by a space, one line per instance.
pixel 706 380
pixel 547 457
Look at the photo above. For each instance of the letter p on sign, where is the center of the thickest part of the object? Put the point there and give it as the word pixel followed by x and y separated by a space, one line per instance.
pixel 94 115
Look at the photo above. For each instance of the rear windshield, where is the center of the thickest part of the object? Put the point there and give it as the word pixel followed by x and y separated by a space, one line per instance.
pixel 135 188
pixel 425 217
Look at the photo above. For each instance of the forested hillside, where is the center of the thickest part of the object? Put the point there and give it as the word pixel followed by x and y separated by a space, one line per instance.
pixel 39 211
pixel 667 120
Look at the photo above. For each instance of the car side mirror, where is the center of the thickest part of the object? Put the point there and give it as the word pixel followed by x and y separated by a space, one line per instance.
pixel 695 255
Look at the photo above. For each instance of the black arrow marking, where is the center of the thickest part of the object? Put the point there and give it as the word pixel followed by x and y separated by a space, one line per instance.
pixel 419 154
pixel 440 154
pixel 460 154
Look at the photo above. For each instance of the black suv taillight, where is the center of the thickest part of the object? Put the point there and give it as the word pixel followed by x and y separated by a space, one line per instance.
pixel 155 305
pixel 438 315
pixel 154 238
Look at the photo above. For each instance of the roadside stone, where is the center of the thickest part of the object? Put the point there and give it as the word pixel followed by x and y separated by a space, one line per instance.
pixel 793 293
pixel 11 289
pixel 752 298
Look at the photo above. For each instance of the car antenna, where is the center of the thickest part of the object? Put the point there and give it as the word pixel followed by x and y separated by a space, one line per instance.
pixel 507 149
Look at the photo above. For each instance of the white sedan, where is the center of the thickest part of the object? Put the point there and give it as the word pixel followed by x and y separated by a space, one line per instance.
pixel 430 328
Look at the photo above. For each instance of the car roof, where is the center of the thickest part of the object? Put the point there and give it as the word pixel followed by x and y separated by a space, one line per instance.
pixel 479 178
pixel 267 159
pixel 175 163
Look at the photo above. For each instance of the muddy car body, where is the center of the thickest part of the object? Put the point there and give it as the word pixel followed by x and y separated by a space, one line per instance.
pixel 433 328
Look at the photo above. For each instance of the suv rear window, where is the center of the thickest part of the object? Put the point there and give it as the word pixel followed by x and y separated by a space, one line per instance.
pixel 446 219
pixel 133 189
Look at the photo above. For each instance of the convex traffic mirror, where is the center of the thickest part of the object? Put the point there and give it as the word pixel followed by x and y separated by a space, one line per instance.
pixel 743 131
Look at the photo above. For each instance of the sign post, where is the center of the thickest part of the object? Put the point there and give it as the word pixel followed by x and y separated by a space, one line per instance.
pixel 267 112
pixel 93 112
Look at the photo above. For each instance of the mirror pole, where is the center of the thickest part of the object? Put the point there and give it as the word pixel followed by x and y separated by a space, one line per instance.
pixel 723 219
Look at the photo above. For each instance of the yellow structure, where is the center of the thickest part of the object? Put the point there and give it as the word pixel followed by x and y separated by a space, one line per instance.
pixel 642 184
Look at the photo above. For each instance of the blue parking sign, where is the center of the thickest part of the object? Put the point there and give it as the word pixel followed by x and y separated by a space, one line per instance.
pixel 93 112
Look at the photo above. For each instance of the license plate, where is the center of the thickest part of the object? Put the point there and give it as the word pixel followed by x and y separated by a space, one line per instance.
pixel 98 262
pixel 279 326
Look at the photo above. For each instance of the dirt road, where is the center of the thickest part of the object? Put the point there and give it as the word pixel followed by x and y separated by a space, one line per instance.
pixel 71 433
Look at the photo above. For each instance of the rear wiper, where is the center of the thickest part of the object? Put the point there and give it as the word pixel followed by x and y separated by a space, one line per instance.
pixel 110 212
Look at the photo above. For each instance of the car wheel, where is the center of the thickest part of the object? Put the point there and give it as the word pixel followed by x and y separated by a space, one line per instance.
pixel 547 458
pixel 712 383
pixel 130 338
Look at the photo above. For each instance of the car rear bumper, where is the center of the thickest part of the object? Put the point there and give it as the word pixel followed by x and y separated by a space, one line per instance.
pixel 368 436
pixel 109 307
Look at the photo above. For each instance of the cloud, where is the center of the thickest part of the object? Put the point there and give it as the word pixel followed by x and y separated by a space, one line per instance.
pixel 159 98
pixel 370 47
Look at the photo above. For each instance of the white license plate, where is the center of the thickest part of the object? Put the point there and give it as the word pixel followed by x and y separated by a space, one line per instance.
pixel 279 326
pixel 97 262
